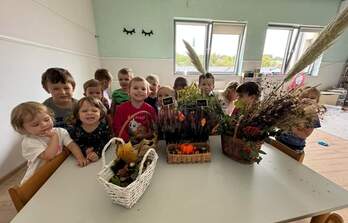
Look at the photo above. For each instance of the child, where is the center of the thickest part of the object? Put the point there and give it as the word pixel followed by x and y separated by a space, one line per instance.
pixel 93 88
pixel 89 132
pixel 229 95
pixel 164 92
pixel 104 77
pixel 140 126
pixel 121 95
pixel 206 84
pixel 41 141
pixel 248 94
pixel 296 139
pixel 180 83
pixel 154 85
pixel 60 84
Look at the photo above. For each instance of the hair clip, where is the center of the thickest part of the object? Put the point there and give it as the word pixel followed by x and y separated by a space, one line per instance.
pixel 147 33
pixel 131 32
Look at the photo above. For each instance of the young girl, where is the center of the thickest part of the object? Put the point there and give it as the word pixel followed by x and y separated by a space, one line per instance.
pixel 140 126
pixel 41 141
pixel 229 96
pixel 167 113
pixel 296 139
pixel 94 88
pixel 248 94
pixel 89 132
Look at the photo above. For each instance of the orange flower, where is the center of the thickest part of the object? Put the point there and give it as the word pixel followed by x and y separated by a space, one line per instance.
pixel 181 116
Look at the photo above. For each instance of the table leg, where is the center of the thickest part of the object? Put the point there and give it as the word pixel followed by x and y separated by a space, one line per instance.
pixel 320 218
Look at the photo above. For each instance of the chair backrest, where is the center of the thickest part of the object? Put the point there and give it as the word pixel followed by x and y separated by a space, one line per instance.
pixel 21 194
pixel 285 149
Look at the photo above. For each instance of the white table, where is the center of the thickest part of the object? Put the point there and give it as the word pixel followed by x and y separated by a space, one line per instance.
pixel 277 190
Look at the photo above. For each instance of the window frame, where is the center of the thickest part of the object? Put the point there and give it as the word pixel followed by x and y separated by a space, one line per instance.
pixel 208 44
pixel 292 47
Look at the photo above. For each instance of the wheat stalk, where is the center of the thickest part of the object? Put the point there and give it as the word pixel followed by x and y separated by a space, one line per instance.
pixel 194 58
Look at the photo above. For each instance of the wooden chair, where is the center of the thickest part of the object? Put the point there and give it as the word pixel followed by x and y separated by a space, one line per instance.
pixel 21 194
pixel 285 149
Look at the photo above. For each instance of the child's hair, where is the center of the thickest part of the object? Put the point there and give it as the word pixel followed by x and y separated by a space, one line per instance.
pixel 92 83
pixel 102 74
pixel 56 75
pixel 126 71
pixel 307 91
pixel 166 87
pixel 205 76
pixel 230 86
pixel 26 112
pixel 180 81
pixel 139 79
pixel 93 101
pixel 152 77
pixel 250 88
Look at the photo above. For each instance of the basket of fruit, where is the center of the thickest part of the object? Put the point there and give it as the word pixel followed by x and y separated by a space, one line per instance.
pixel 126 177
pixel 188 153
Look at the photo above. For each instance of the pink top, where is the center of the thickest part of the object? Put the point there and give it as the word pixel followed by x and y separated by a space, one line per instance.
pixel 138 126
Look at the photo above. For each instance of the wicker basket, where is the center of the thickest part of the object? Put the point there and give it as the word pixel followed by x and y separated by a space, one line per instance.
pixel 189 158
pixel 232 146
pixel 127 196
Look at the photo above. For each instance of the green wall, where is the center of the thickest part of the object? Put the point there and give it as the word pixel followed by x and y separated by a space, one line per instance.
pixel 112 15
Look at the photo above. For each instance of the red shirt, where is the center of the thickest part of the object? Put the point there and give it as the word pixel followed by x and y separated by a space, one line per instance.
pixel 136 127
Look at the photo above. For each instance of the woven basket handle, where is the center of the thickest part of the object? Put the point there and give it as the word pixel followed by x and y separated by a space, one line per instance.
pixel 151 150
pixel 115 139
pixel 129 119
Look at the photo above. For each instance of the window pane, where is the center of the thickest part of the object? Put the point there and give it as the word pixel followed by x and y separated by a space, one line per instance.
pixel 224 48
pixel 274 50
pixel 305 40
pixel 195 35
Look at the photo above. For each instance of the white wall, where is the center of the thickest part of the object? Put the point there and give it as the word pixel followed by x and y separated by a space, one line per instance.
pixel 36 35
pixel 328 76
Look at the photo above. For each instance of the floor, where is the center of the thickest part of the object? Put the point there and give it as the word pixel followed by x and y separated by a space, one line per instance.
pixel 331 162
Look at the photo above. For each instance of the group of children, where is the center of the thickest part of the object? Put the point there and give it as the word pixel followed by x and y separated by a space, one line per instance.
pixel 84 126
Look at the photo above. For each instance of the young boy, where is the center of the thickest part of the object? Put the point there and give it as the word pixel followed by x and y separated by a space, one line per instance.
pixel 104 77
pixel 248 94
pixel 154 85
pixel 119 96
pixel 60 84
pixel 141 126
pixel 206 84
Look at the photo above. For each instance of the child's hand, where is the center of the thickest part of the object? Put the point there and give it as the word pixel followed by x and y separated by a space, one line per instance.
pixel 82 162
pixel 91 155
pixel 50 133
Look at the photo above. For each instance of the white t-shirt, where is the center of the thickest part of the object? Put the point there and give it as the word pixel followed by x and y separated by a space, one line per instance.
pixel 33 146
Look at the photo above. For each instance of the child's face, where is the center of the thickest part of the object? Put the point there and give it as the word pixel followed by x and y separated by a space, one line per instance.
pixel 40 125
pixel 206 85
pixel 95 92
pixel 89 114
pixel 163 93
pixel 105 84
pixel 61 93
pixel 153 87
pixel 138 91
pixel 232 95
pixel 246 99
pixel 124 79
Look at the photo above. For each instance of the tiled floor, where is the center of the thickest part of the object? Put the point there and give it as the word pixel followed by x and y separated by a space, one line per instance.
pixel 331 162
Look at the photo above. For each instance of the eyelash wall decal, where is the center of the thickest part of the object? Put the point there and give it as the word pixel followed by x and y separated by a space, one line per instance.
pixel 147 33
pixel 130 32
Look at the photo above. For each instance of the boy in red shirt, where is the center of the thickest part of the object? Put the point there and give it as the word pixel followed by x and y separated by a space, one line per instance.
pixel 141 125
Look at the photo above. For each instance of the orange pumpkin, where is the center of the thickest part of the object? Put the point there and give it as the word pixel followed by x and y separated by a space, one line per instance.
pixel 187 148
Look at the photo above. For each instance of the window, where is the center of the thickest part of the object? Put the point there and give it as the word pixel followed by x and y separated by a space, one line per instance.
pixel 218 45
pixel 284 45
